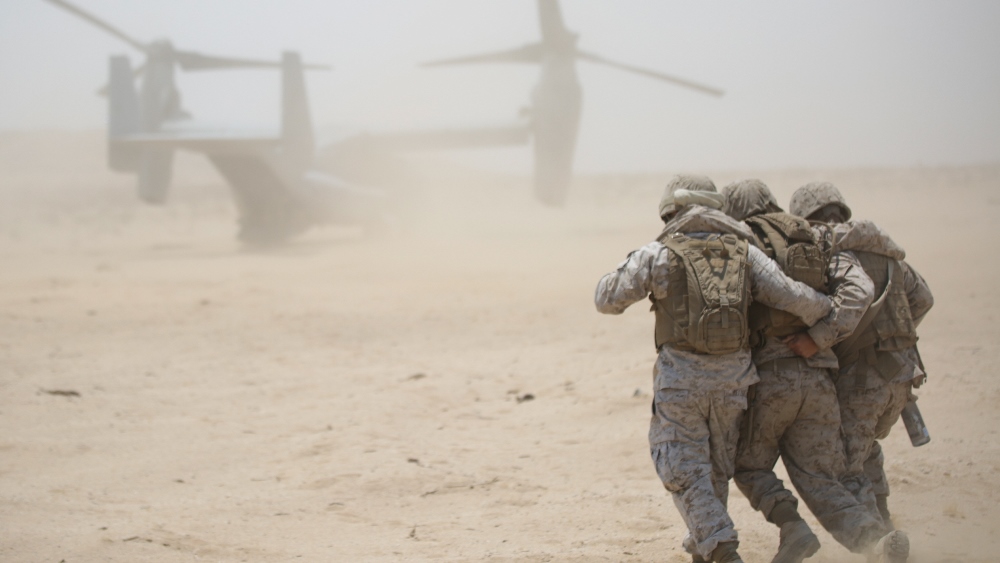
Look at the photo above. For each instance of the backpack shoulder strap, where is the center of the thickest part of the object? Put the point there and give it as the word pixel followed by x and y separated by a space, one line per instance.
pixel 775 238
pixel 684 248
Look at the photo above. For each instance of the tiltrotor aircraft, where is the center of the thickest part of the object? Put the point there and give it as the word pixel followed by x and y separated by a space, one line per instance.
pixel 554 115
pixel 277 189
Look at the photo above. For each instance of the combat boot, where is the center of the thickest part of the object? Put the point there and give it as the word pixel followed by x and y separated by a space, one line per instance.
pixel 894 547
pixel 725 552
pixel 797 540
pixel 797 543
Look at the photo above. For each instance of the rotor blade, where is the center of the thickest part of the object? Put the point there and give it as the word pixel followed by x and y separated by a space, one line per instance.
pixel 650 73
pixel 101 24
pixel 189 60
pixel 527 54
pixel 136 73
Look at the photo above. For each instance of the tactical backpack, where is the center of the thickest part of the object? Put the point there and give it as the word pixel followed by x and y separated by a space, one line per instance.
pixel 887 325
pixel 789 241
pixel 708 295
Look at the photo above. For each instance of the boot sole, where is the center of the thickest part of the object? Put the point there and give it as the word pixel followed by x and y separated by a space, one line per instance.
pixel 899 555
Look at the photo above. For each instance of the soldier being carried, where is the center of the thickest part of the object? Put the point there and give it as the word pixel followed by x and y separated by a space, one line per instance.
pixel 793 410
pixel 879 363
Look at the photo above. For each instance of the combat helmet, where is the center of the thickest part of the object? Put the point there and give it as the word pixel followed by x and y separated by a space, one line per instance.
pixel 813 196
pixel 683 182
pixel 747 198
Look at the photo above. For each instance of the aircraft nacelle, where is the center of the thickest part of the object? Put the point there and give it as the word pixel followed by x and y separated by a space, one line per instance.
pixel 124 118
pixel 270 175
pixel 152 165
pixel 556 100
pixel 557 104
pixel 277 191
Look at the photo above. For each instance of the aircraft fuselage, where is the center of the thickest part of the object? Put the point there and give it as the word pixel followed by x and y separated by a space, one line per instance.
pixel 556 108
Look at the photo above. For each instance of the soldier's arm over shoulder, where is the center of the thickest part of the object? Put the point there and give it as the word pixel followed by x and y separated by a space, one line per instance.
pixel 918 293
pixel 632 281
pixel 865 236
pixel 852 291
pixel 773 288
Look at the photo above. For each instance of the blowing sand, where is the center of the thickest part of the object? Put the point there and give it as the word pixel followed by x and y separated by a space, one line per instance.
pixel 445 393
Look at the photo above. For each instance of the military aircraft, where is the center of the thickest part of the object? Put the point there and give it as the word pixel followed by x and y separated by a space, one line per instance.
pixel 278 190
pixel 554 114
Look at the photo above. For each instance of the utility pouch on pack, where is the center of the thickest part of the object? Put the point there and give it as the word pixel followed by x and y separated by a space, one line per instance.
pixel 887 365
pixel 706 310
pixel 893 328
pixel 847 350
pixel 871 363
pixel 790 241
pixel 807 264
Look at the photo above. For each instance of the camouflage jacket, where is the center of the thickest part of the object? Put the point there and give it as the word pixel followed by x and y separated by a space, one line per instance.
pixel 920 299
pixel 859 235
pixel 852 292
pixel 850 288
pixel 866 236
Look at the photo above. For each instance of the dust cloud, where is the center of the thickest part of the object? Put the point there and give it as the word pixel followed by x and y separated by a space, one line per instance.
pixel 896 83
pixel 443 389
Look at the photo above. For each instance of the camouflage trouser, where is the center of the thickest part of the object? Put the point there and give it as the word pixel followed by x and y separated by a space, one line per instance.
pixel 693 437
pixel 875 470
pixel 793 412
pixel 867 415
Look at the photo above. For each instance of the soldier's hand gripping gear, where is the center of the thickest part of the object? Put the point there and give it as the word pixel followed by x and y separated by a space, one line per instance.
pixel 701 274
pixel 879 362
pixel 793 410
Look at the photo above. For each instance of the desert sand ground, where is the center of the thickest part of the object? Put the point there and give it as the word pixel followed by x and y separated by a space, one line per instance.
pixel 444 393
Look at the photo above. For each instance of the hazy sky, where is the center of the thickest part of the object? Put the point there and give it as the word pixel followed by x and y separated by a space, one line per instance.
pixel 808 83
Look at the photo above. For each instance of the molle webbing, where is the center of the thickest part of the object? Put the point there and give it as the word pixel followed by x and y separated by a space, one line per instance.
pixel 892 328
pixel 790 241
pixel 708 295
pixel 887 325
pixel 863 336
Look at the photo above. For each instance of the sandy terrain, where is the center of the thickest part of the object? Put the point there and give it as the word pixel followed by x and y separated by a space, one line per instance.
pixel 446 393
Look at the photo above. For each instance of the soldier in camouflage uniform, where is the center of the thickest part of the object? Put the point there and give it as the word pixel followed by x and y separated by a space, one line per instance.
pixel 793 410
pixel 703 366
pixel 879 364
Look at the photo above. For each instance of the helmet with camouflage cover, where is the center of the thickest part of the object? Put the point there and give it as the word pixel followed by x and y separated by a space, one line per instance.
pixel 814 196
pixel 683 182
pixel 747 198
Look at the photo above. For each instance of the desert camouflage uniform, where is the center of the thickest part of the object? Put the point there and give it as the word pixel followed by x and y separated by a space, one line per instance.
pixel 700 399
pixel 794 413
pixel 860 235
pixel 869 410
pixel 870 403
pixel 793 410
